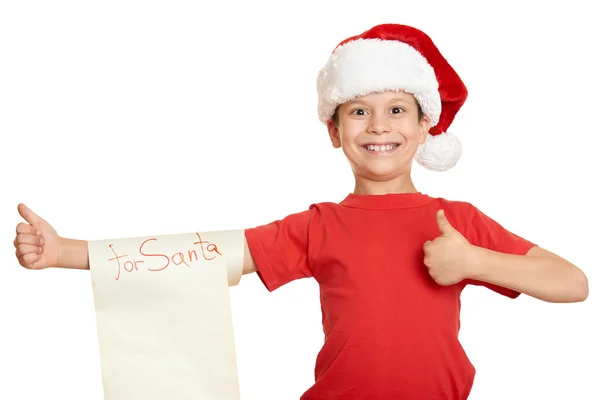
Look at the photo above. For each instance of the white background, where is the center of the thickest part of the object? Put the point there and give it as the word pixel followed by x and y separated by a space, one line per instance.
pixel 124 118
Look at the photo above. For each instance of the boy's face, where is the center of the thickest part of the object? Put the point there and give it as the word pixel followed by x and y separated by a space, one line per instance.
pixel 379 134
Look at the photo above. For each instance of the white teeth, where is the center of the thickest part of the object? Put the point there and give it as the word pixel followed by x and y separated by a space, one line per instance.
pixel 386 147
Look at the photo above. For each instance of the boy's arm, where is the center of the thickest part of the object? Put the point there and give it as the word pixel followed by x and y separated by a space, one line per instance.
pixel 73 254
pixel 39 246
pixel 502 262
pixel 249 264
pixel 540 274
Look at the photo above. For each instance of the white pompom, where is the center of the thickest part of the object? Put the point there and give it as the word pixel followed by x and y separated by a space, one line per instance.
pixel 440 152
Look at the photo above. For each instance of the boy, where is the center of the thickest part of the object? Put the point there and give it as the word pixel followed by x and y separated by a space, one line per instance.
pixel 391 262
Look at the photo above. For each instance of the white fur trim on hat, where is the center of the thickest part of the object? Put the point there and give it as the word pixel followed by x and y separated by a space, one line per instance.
pixel 440 152
pixel 365 66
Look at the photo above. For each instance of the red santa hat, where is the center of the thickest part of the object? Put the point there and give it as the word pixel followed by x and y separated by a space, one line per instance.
pixel 398 57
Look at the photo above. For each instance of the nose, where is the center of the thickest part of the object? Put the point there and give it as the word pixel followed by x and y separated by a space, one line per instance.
pixel 378 124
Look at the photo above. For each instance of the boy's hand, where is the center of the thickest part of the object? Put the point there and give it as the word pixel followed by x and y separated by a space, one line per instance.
pixel 447 256
pixel 36 243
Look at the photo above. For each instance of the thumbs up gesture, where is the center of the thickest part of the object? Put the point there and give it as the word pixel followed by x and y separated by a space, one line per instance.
pixel 36 242
pixel 446 257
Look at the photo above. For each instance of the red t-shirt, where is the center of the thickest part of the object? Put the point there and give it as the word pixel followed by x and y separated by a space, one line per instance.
pixel 390 331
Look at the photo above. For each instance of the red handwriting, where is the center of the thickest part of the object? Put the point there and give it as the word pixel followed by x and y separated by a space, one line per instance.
pixel 206 248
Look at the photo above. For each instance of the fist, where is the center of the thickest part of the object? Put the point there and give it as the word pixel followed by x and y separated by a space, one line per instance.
pixel 446 257
pixel 36 242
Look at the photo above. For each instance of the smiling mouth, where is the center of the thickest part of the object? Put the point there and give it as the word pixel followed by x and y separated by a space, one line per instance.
pixel 381 148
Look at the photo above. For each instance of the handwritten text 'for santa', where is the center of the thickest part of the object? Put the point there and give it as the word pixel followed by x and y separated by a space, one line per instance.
pixel 208 250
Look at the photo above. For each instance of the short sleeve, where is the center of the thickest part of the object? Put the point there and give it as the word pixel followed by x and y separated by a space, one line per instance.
pixel 483 231
pixel 280 249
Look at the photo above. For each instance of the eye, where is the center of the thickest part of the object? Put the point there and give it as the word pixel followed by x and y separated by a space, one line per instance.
pixel 397 110
pixel 359 111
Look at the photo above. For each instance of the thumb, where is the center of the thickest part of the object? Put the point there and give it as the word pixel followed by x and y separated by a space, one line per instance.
pixel 29 216
pixel 445 227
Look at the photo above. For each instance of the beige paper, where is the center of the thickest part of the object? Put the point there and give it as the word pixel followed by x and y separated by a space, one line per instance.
pixel 163 315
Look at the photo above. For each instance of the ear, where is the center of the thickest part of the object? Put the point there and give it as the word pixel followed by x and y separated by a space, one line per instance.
pixel 334 134
pixel 424 126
